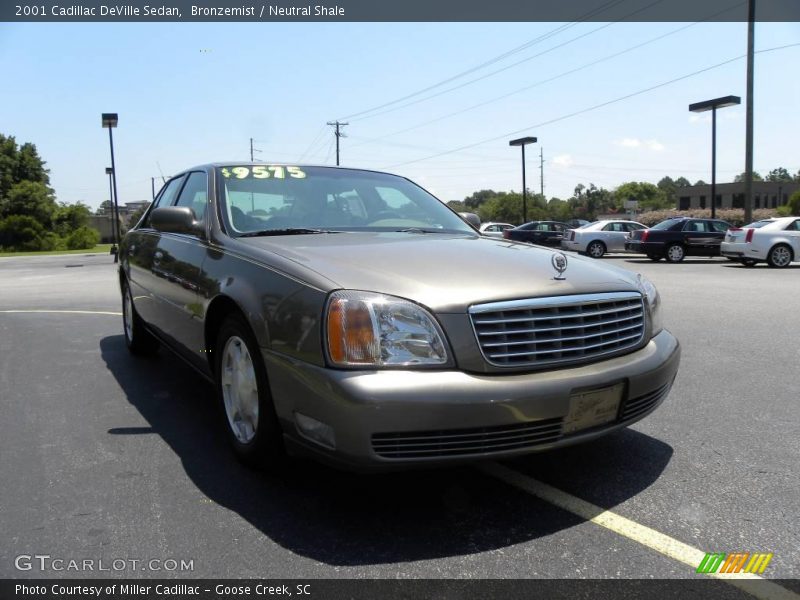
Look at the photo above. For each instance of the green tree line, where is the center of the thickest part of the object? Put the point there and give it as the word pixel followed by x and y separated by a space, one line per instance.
pixel 587 202
pixel 30 217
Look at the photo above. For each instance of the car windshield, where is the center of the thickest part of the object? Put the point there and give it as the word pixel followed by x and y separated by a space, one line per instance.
pixel 281 199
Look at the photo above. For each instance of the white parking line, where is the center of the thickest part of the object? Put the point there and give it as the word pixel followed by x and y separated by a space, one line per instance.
pixel 661 543
pixel 67 312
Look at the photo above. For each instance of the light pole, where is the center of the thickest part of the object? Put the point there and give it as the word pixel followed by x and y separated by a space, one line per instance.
pixel 110 120
pixel 110 173
pixel 522 142
pixel 713 105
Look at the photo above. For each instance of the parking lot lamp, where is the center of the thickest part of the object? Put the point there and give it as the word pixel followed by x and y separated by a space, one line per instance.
pixel 522 142
pixel 110 120
pixel 713 105
pixel 114 250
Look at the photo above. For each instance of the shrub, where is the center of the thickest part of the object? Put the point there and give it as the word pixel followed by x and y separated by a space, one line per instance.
pixel 83 238
pixel 21 232
pixel 734 216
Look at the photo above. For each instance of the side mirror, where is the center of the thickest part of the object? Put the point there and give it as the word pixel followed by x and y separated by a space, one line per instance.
pixel 175 219
pixel 471 218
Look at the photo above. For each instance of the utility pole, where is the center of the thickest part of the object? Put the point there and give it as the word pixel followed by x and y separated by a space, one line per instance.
pixel 541 172
pixel 153 187
pixel 748 160
pixel 338 133
pixel 252 150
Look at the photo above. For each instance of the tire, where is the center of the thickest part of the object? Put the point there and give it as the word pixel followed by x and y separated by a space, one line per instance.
pixel 248 413
pixel 780 256
pixel 139 341
pixel 654 258
pixel 596 249
pixel 675 253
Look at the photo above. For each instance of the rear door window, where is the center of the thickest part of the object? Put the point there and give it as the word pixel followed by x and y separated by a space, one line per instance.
pixel 195 194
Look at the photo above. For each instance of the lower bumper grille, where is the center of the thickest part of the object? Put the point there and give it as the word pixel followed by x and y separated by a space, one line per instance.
pixel 487 440
pixel 459 442
pixel 636 407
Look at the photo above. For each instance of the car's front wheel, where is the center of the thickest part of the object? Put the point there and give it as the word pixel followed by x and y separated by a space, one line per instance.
pixel 780 256
pixel 243 391
pixel 675 253
pixel 138 340
pixel 596 249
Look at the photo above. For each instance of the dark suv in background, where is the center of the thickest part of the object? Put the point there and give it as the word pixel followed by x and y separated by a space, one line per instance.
pixel 679 237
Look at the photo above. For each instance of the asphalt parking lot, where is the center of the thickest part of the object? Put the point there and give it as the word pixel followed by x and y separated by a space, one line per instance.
pixel 107 456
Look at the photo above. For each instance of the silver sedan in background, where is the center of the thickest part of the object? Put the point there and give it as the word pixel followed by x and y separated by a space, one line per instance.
pixel 595 239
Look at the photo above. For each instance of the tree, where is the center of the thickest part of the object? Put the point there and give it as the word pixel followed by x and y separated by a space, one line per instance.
pixel 649 196
pixel 700 182
pixel 106 207
pixel 682 182
pixel 669 187
pixel 30 198
pixel 70 217
pixel 474 201
pixel 18 164
pixel 23 232
pixel 779 175
pixel 742 177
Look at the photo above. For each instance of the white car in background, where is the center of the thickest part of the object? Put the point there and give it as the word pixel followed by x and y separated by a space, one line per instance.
pixel 774 241
pixel 595 239
pixel 492 229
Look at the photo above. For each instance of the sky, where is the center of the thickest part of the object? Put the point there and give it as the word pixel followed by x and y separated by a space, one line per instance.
pixel 190 93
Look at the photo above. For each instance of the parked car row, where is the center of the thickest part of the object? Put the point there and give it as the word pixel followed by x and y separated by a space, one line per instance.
pixel 775 241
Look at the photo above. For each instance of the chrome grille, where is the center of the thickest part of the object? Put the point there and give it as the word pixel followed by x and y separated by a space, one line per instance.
pixel 558 330
pixel 462 442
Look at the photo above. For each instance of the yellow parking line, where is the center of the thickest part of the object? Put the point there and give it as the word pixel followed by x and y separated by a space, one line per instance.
pixel 67 312
pixel 663 544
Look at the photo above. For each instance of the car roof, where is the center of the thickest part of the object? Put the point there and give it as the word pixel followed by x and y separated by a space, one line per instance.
pixel 245 163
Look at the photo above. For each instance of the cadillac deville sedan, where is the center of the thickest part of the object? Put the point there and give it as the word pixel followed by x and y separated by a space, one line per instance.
pixel 351 315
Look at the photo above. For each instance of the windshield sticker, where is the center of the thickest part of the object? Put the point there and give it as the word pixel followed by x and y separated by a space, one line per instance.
pixel 263 172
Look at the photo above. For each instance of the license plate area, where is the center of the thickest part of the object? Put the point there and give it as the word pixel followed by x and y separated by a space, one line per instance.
pixel 591 408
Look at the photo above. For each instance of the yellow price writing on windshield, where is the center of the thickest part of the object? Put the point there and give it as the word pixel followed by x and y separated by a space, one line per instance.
pixel 263 172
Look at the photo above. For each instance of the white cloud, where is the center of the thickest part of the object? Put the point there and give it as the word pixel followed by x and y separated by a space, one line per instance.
pixel 654 145
pixel 563 160
pixel 629 142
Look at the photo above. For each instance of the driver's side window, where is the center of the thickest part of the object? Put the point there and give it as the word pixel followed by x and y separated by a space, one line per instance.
pixel 165 197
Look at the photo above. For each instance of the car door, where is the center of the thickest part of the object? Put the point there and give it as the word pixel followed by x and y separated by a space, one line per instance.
pixel 144 273
pixel 717 230
pixel 696 237
pixel 629 229
pixel 613 236
pixel 179 260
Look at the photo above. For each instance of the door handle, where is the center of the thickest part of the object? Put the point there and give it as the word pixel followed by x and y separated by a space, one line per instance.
pixel 158 255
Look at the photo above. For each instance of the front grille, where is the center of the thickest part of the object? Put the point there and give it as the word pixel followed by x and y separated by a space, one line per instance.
pixel 636 407
pixel 558 330
pixel 460 442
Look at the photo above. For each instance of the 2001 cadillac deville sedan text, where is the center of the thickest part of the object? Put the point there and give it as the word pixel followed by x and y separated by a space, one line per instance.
pixel 352 315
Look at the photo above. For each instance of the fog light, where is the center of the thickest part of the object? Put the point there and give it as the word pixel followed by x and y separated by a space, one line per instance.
pixel 315 430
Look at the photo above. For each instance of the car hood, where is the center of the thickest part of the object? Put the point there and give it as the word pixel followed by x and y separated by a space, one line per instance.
pixel 445 272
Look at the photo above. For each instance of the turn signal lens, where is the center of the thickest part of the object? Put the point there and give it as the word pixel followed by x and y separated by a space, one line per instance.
pixel 749 237
pixel 369 329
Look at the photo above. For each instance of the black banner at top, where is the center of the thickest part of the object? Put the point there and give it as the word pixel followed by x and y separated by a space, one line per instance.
pixel 396 10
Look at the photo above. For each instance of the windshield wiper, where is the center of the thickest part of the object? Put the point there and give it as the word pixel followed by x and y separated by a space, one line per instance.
pixel 286 231
pixel 421 230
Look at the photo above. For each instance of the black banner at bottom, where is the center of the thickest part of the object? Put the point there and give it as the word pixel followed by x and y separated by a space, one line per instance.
pixel 411 589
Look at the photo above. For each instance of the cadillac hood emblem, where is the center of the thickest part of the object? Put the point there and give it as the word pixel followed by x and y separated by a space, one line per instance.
pixel 559 262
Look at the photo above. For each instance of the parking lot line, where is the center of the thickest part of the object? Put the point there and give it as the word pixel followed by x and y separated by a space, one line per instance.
pixel 661 543
pixel 68 312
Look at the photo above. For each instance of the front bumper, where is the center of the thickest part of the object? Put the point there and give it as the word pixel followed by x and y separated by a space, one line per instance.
pixel 363 407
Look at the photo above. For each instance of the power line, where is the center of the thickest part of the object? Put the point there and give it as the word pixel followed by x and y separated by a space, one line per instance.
pixel 491 61
pixel 316 140
pixel 588 109
pixel 555 77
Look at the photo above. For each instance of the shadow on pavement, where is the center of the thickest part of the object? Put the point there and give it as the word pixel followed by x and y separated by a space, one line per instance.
pixel 348 519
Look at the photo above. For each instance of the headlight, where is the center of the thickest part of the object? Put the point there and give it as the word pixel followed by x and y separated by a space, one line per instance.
pixel 653 304
pixel 368 329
